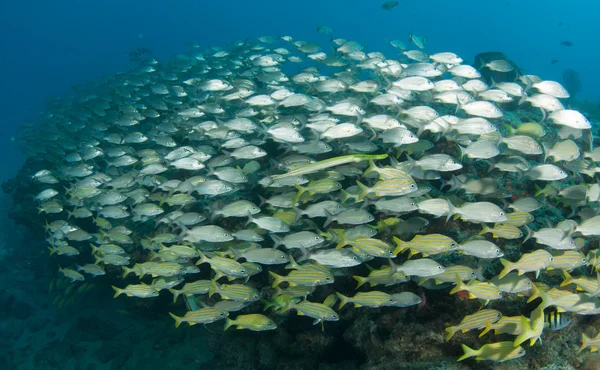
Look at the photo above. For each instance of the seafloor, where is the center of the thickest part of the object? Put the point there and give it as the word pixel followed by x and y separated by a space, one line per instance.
pixel 46 323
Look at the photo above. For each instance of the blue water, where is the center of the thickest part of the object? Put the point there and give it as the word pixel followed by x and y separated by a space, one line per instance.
pixel 48 46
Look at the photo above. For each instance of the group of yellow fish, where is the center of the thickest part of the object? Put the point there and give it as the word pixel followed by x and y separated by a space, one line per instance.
pixel 250 164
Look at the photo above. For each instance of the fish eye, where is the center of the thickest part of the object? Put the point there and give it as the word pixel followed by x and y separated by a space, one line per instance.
pixel 413 204
pixel 439 267
pixel 551 259
pixel 521 351
pixel 501 213
pixel 327 279
pixel 412 186
pixel 243 271
pixel 270 323
pixel 354 258
pixel 497 250
pixel 283 257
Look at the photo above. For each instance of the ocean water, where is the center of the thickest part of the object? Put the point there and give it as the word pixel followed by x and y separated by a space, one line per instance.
pixel 48 47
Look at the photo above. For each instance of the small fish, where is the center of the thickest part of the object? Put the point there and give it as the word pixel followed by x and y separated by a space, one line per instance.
pixel 475 321
pixel 372 299
pixel 529 262
pixel 200 316
pixel 389 5
pixel 499 352
pixel 254 322
pixel 557 320
pixel 567 43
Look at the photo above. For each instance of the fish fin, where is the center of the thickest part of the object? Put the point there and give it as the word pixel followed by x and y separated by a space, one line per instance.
pixel 451 330
pixel 343 300
pixel 584 342
pixel 361 280
pixel 508 267
pixel 293 265
pixel 372 168
pixel 118 291
pixel 301 190
pixel 526 331
pixel 329 218
pixel 468 352
pixel 228 323
pixel 178 320
pixel 175 293
pixel 400 245
pixel 488 327
pixel 459 286
pixel 277 279
pixel 364 190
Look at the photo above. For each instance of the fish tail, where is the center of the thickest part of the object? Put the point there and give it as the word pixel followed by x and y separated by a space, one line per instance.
pixel 508 267
pixel 529 234
pixel 343 241
pixel 584 342
pixel 469 352
pixel 400 245
pixel 176 294
pixel 118 291
pixel 178 320
pixel 526 332
pixel 228 323
pixel 364 190
pixel 52 250
pixel 461 152
pixel 343 300
pixel 345 195
pixel 277 279
pixel 203 258
pixel 485 229
pixel 546 151
pixel 301 190
pixel 213 288
pixel 94 248
pixel 361 280
pixel 127 271
pixel 293 265
pixel 568 279
pixel 451 331
pixel 372 168
pixel 459 285
pixel 488 327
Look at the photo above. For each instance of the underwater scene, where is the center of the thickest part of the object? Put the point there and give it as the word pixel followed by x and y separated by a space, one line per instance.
pixel 307 185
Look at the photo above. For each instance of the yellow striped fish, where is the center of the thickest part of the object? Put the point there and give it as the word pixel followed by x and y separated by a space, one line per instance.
pixel 478 289
pixel 234 292
pixel 304 277
pixel 426 244
pixel 384 188
pixel 200 316
pixel 504 231
pixel 371 299
pixel 254 322
pixel 529 262
pixel 474 321
pixel 568 260
pixel 507 325
pixel 585 283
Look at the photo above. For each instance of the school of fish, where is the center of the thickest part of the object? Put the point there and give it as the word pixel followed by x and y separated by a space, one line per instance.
pixel 275 167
